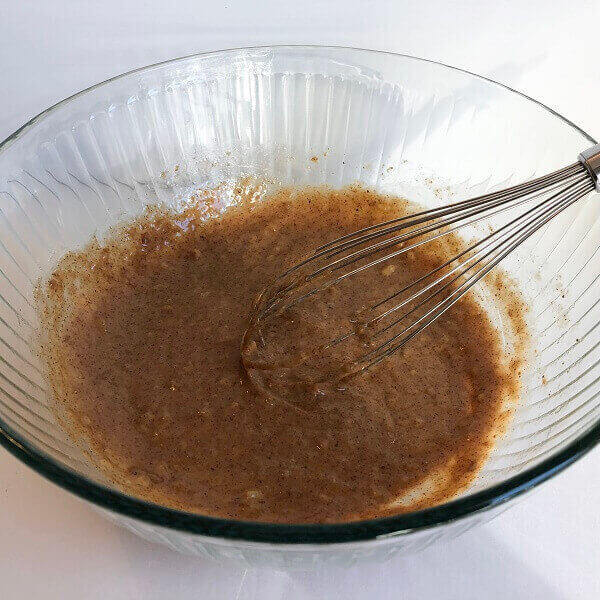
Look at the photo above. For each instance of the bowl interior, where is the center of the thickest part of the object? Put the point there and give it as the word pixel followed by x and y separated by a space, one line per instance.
pixel 401 125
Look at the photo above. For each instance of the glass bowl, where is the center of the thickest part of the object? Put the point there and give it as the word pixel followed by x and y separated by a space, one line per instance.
pixel 396 123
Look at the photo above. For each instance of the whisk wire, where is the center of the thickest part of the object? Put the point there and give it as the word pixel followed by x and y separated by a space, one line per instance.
pixel 484 204
pixel 535 185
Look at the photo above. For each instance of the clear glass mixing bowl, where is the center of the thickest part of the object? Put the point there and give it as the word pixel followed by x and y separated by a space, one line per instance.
pixel 396 123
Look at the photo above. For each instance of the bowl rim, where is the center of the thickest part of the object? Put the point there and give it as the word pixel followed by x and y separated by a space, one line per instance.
pixel 251 531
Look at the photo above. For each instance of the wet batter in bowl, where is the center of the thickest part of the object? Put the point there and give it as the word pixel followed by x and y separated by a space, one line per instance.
pixel 141 338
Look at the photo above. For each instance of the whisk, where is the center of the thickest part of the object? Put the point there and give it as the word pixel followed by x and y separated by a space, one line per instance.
pixel 394 320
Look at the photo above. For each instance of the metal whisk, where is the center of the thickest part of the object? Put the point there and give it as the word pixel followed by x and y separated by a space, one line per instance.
pixel 396 319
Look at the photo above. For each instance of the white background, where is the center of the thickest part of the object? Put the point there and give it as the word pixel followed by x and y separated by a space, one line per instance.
pixel 54 546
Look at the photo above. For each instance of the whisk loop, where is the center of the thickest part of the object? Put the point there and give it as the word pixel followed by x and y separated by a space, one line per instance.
pixel 390 323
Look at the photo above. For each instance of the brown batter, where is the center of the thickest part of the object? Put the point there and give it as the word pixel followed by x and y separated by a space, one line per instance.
pixel 142 343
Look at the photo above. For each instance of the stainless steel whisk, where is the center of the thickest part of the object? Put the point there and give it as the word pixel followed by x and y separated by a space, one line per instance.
pixel 396 319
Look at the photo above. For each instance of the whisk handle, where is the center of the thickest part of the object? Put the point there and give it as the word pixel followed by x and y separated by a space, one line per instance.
pixel 590 159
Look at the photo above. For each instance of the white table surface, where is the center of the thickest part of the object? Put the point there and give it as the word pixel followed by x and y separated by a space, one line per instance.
pixel 54 546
